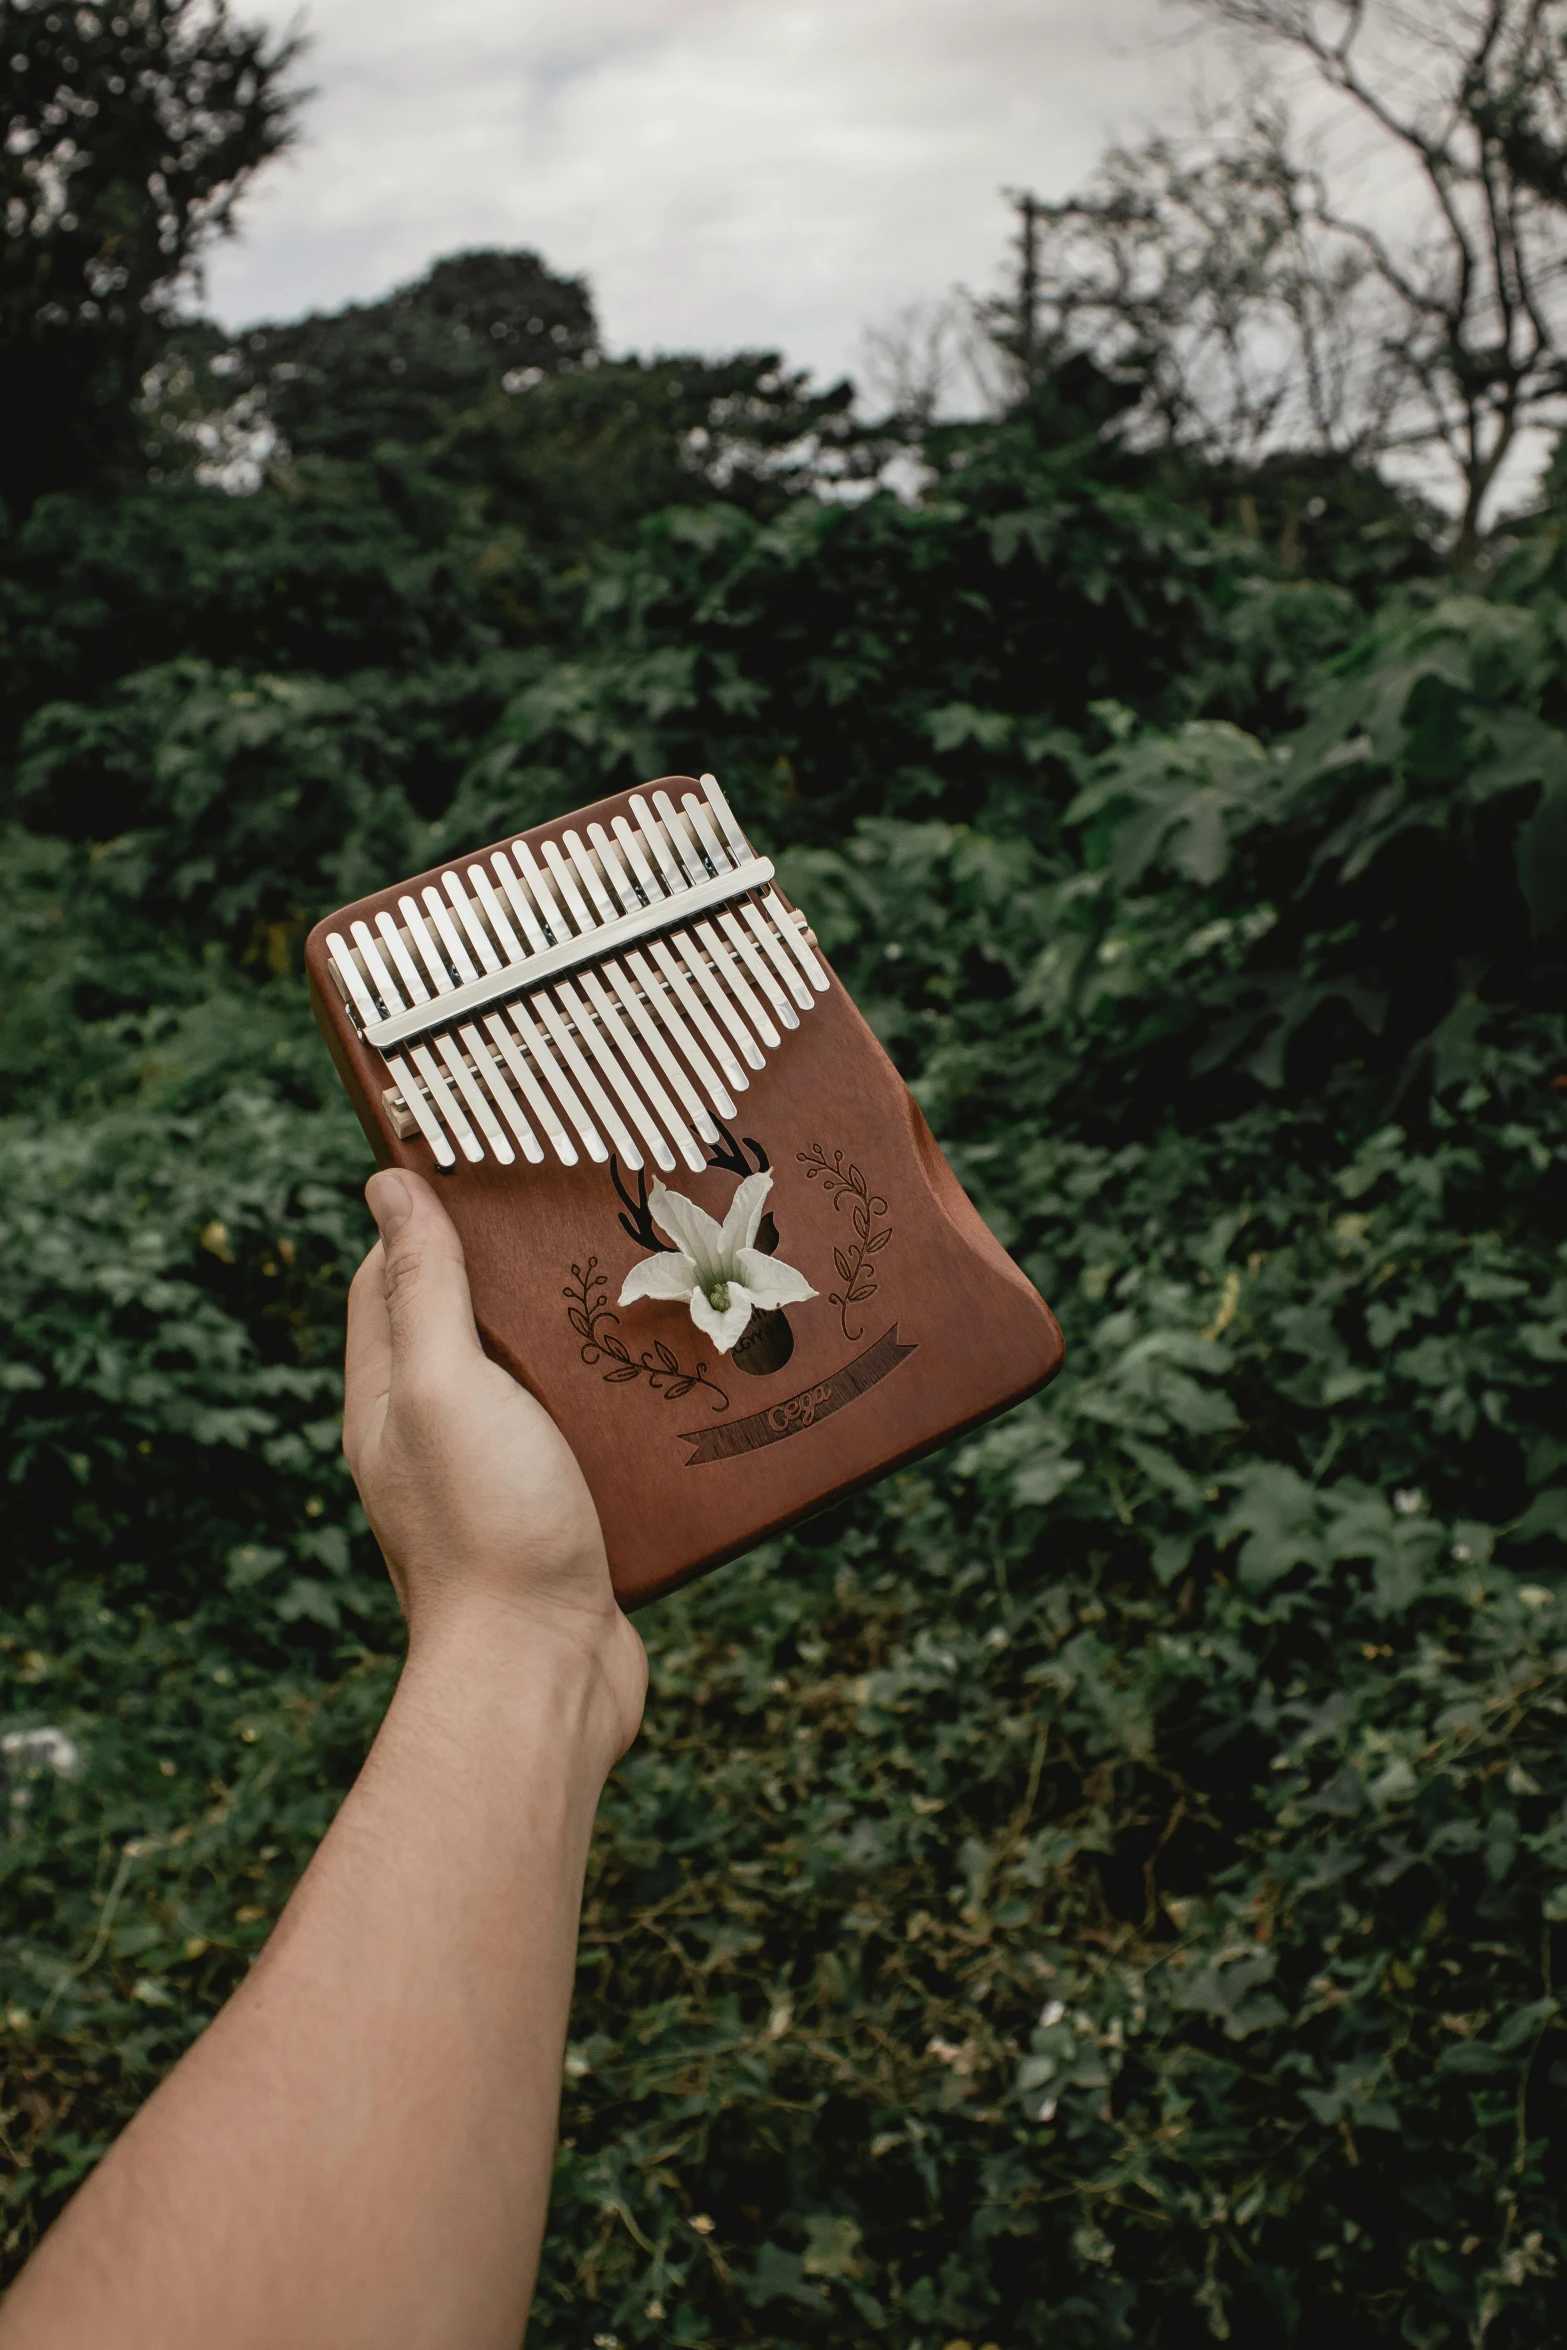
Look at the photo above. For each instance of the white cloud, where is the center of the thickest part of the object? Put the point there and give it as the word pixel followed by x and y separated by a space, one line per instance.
pixel 728 172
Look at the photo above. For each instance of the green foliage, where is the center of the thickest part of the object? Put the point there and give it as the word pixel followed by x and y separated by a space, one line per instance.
pixel 1108 1883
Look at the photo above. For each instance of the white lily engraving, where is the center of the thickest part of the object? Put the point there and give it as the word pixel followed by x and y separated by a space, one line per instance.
pixel 717 1272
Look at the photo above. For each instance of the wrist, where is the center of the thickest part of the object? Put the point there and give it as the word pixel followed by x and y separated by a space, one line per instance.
pixel 519 1661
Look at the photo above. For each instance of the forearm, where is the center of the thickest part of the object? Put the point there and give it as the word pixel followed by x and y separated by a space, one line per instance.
pixel 359 2148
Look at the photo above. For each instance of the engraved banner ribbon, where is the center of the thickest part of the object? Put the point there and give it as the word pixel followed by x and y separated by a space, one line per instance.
pixel 802 1410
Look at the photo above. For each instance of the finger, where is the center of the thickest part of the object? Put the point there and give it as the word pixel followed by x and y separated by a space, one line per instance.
pixel 367 1359
pixel 429 1312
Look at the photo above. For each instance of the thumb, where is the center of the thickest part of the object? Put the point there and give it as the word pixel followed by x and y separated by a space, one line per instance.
pixel 429 1312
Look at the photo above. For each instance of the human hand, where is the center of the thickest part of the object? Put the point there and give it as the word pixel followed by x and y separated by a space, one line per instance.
pixel 471 1490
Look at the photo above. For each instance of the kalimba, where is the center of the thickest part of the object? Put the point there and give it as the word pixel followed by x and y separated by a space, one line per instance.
pixel 575 1024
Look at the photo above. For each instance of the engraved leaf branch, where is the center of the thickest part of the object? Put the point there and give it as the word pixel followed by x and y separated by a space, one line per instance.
pixel 845 1185
pixel 591 1315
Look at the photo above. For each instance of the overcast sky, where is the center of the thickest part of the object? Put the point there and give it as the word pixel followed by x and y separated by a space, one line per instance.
pixel 773 173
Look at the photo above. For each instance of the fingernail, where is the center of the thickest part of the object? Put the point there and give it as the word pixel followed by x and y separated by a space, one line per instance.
pixel 390 1202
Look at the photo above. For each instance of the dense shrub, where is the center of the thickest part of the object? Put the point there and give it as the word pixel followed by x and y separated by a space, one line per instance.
pixel 1108 1883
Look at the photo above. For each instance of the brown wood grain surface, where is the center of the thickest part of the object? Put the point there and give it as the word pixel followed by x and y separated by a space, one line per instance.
pixel 690 1456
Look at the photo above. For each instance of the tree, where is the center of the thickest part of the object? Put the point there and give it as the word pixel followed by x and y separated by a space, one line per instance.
pixel 130 138
pixel 1259 306
pixel 1472 95
pixel 1199 274
pixel 341 383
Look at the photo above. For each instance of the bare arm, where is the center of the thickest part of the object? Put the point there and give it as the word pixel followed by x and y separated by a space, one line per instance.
pixel 358 2149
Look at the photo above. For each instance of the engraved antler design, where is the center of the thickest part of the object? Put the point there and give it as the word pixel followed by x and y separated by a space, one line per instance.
pixel 639 1223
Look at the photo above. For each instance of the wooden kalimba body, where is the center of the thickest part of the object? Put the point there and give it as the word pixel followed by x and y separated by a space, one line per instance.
pixel 622 998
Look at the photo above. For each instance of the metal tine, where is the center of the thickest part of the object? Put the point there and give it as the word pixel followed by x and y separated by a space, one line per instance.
pixel 681 973
pixel 468 915
pixel 724 962
pixel 709 980
pixel 505 1040
pixel 543 1109
pixel 794 939
pixel 443 983
pixel 670 997
pixel 407 969
pixel 421 1111
pixel 637 1061
pixel 739 848
pixel 646 1011
pixel 475 1096
pixel 581 1068
pixel 521 904
pixel 441 980
pixel 592 880
pixel 587 1027
pixel 567 1053
pixel 718 857
pixel 353 978
pixel 447 1100
pixel 380 978
pixel 758 968
pixel 450 937
pixel 500 1092
pixel 668 1006
pixel 506 1044
pixel 424 1114
pixel 450 1107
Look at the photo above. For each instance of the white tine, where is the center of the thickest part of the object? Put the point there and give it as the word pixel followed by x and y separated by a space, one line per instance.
pixel 686 849
pixel 353 978
pixel 713 848
pixel 677 996
pixel 795 940
pixel 468 915
pixel 566 1055
pixel 718 856
pixel 381 979
pixel 407 969
pixel 707 979
pixel 691 966
pixel 576 1061
pixel 664 1013
pixel 566 883
pixel 636 857
pixel 647 1016
pixel 414 923
pixel 680 960
pixel 446 1100
pixel 555 921
pixel 421 1112
pixel 728 969
pixel 623 883
pixel 520 902
pixel 588 874
pixel 772 947
pixel 532 1091
pixel 473 1094
pixel 757 968
pixel 652 832
pixel 446 930
pixel 636 1109
pixel 521 1016
pixel 510 945
pixel 739 846
pixel 634 1061
pixel 500 1093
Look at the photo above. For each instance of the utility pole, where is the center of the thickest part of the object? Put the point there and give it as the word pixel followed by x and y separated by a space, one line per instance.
pixel 1029 211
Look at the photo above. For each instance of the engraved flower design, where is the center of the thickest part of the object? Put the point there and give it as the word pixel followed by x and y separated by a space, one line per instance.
pixel 715 1270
